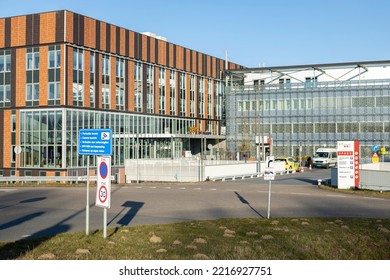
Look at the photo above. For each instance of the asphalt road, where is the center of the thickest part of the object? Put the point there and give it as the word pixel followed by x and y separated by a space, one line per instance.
pixel 39 211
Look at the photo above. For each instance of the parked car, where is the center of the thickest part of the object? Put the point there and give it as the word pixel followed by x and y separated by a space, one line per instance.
pixel 291 164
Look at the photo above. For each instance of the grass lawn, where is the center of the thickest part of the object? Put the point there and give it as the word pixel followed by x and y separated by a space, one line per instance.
pixel 223 239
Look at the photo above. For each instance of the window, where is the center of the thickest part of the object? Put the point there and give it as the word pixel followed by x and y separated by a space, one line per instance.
pixel 138 87
pixel 150 88
pixel 209 99
pixel 120 84
pixel 200 98
pixel 172 92
pixel 32 77
pixel 54 91
pixel 5 61
pixel 92 79
pixel 161 91
pixel 192 96
pixel 54 57
pixel 5 95
pixel 78 59
pixel 54 75
pixel 240 106
pixel 106 82
pixel 288 84
pixel 182 93
pixel 311 82
pixel 78 77
pixel 32 92
pixel 32 56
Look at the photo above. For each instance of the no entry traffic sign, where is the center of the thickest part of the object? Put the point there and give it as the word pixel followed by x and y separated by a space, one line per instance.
pixel 103 191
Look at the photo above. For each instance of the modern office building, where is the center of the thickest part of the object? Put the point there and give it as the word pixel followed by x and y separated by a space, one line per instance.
pixel 61 72
pixel 302 108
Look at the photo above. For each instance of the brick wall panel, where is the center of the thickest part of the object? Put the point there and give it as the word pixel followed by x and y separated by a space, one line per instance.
pixel 69 86
pixel 69 26
pixel 188 60
pixel 144 40
pixel 2 32
pixel 43 76
pixel 123 42
pixel 113 39
pixel 62 73
pixel 20 91
pixel 43 29
pixel 161 52
pixel 6 139
pixel 103 38
pixel 171 58
pixel 90 32
pixel 132 44
pixel 18 31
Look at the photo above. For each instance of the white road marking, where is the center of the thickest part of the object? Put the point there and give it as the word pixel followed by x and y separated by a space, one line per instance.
pixel 8 190
pixel 336 195
pixel 301 193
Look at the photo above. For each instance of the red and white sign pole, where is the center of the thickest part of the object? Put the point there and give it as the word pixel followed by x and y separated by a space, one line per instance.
pixel 348 160
pixel 103 190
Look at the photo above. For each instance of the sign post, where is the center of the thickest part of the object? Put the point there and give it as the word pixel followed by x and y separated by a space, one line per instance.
pixel 103 190
pixel 348 160
pixel 269 174
pixel 95 142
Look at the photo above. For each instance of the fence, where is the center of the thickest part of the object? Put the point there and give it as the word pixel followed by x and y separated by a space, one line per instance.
pixel 54 179
pixel 187 170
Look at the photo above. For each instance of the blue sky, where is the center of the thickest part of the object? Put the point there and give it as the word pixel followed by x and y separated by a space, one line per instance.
pixel 253 32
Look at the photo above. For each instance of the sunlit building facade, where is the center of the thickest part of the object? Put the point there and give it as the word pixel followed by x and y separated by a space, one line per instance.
pixel 61 72
pixel 302 108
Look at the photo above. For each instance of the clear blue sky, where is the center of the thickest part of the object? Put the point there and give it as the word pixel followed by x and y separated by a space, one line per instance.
pixel 254 32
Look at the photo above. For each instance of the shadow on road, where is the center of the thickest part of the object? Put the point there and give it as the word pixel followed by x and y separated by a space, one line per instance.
pixel 244 201
pixel 132 209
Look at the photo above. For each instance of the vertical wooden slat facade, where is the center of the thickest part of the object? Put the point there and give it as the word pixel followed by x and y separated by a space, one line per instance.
pixel 70 30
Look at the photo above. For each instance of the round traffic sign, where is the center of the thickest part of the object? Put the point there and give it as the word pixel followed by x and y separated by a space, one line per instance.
pixel 103 170
pixel 375 148
pixel 103 194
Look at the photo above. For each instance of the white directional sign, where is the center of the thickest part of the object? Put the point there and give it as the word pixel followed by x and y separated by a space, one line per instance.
pixel 103 190
pixel 269 172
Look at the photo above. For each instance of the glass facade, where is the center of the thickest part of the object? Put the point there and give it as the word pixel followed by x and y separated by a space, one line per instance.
pixel 49 137
pixel 309 115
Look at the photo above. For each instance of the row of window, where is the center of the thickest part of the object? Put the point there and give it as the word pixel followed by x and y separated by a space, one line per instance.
pixel 317 103
pixel 363 127
pixel 54 64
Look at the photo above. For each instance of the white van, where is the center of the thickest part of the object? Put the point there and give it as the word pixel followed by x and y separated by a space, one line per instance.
pixel 325 157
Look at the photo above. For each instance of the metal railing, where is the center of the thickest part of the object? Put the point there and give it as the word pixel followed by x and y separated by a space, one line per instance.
pixel 47 179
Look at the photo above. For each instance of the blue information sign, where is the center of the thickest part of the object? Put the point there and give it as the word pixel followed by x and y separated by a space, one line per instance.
pixel 95 142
